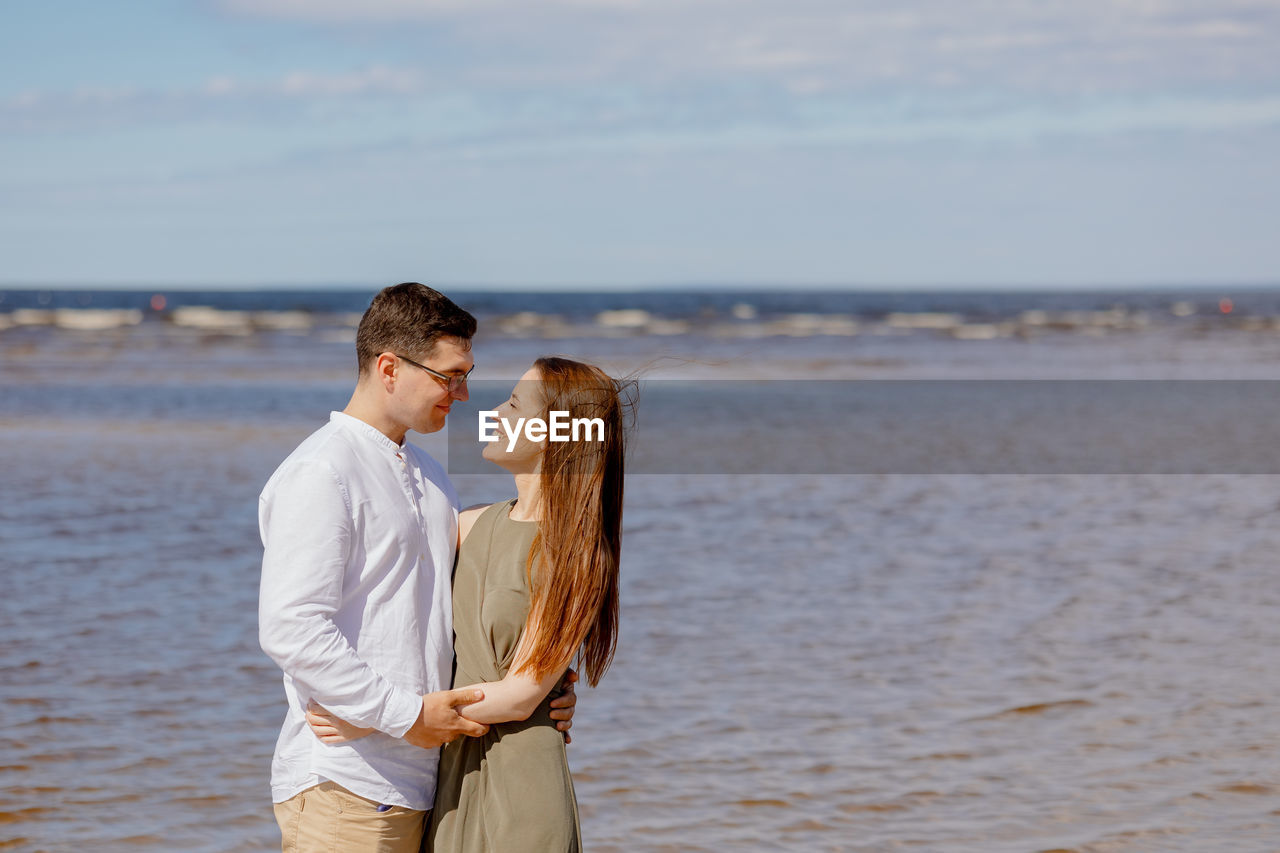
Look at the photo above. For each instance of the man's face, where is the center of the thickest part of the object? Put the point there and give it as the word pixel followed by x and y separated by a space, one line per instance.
pixel 423 399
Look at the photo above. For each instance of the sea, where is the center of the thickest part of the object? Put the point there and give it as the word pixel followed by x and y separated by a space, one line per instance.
pixel 931 571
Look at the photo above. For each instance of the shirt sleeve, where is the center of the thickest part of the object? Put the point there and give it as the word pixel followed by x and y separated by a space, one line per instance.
pixel 306 528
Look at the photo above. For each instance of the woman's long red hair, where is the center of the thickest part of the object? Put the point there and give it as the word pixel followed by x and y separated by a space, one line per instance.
pixel 573 563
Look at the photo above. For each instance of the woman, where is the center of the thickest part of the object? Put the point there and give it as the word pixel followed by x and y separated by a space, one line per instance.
pixel 536 584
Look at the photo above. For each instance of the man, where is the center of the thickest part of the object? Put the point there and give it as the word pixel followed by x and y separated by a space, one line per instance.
pixel 359 530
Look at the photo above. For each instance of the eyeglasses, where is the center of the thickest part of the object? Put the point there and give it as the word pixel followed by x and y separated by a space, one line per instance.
pixel 452 382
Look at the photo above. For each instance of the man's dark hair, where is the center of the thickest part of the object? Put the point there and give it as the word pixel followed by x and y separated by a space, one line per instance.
pixel 408 319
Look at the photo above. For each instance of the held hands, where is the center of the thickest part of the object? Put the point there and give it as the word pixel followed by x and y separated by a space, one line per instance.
pixel 562 707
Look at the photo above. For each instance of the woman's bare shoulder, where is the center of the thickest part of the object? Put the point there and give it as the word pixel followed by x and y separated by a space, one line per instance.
pixel 467 519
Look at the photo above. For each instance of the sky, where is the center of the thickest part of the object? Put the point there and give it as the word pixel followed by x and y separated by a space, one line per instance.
pixel 634 143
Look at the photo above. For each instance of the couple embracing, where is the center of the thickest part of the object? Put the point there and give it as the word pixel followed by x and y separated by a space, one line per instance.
pixel 389 743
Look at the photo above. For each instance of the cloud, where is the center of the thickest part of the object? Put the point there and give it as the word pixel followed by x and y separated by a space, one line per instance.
pixel 346 10
pixel 378 80
pixel 399 11
pixel 1030 45
pixel 220 96
pixel 711 72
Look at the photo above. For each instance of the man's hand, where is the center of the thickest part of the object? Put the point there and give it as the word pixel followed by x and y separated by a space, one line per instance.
pixel 562 706
pixel 440 721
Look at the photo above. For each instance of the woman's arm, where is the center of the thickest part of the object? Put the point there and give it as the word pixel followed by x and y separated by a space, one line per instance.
pixel 513 698
pixel 330 729
pixel 518 694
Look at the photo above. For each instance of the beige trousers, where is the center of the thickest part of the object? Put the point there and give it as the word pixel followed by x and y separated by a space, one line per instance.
pixel 330 819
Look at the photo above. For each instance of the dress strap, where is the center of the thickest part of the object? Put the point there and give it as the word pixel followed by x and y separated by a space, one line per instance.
pixel 487 525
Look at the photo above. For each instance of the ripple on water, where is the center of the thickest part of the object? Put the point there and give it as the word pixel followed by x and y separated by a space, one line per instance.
pixel 1247 788
pixel 1037 708
pixel 20 815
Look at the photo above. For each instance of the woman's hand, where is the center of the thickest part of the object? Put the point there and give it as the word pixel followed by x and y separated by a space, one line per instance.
pixel 330 729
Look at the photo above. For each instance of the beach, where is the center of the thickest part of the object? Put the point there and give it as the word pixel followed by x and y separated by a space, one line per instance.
pixel 918 657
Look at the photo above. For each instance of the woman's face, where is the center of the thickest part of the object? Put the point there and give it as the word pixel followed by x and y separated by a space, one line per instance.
pixel 526 401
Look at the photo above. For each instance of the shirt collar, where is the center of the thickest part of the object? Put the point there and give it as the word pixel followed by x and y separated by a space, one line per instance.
pixel 369 431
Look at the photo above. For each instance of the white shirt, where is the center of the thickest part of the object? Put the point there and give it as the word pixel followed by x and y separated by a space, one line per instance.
pixel 359 536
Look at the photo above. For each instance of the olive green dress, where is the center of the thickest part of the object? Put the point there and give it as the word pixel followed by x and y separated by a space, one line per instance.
pixel 508 791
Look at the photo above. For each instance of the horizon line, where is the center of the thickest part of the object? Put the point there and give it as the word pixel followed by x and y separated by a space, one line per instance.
pixel 657 287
